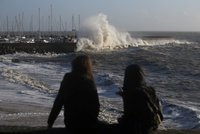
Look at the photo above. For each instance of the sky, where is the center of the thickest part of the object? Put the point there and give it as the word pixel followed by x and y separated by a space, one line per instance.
pixel 129 15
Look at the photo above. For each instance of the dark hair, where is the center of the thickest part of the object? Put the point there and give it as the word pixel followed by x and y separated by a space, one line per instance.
pixel 134 76
pixel 82 65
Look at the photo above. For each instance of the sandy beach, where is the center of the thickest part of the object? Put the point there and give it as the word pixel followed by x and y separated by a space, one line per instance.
pixel 31 118
pixel 25 114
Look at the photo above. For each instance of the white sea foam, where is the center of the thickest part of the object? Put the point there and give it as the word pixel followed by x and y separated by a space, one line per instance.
pixel 46 55
pixel 18 77
pixel 31 75
pixel 98 34
pixel 177 114
pixel 19 115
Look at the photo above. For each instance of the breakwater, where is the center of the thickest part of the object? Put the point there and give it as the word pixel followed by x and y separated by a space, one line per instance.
pixel 9 48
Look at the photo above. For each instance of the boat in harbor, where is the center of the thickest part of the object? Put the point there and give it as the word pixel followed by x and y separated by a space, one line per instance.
pixel 39 44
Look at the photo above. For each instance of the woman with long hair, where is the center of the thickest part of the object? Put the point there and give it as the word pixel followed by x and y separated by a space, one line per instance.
pixel 140 103
pixel 78 95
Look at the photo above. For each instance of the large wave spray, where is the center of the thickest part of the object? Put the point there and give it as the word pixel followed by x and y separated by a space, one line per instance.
pixel 96 33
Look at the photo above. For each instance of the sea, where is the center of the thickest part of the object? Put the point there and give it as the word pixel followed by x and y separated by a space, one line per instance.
pixel 170 60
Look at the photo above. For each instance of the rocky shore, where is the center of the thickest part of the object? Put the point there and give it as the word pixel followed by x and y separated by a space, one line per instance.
pixel 9 48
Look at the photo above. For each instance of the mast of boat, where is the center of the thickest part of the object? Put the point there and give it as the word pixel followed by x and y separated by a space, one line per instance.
pixel 12 26
pixel 79 22
pixel 7 24
pixel 0 25
pixel 60 23
pixel 39 20
pixel 66 26
pixel 22 23
pixel 51 19
pixel 49 22
pixel 31 24
pixel 73 24
pixel 18 24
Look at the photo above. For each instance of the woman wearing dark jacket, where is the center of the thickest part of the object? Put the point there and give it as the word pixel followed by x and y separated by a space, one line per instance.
pixel 138 99
pixel 79 97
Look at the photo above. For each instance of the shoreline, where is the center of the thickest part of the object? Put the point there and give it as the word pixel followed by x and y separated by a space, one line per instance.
pixel 21 114
pixel 24 117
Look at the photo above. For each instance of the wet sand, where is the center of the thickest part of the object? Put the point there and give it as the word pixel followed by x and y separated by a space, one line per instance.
pixel 27 118
pixel 25 114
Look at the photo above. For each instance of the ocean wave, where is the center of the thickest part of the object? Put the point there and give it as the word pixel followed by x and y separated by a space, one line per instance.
pixel 107 84
pixel 178 116
pixel 15 76
pixel 98 34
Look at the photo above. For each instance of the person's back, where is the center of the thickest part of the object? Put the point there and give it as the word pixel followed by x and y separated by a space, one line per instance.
pixel 134 103
pixel 138 99
pixel 79 97
pixel 81 102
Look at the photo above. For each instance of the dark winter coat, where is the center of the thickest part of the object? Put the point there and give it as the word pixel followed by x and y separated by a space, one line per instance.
pixel 79 97
pixel 136 113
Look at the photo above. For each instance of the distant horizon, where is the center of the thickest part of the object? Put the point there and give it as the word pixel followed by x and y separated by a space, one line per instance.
pixel 119 31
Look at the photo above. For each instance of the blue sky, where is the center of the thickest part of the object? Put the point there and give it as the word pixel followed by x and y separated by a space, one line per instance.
pixel 129 15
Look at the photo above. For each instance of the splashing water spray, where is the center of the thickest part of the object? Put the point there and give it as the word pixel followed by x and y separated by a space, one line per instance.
pixel 97 34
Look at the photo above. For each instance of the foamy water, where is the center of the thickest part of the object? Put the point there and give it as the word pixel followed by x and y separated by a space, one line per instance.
pixel 108 83
pixel 172 66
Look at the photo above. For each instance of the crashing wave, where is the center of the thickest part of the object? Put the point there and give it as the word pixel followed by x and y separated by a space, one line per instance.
pixel 98 34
